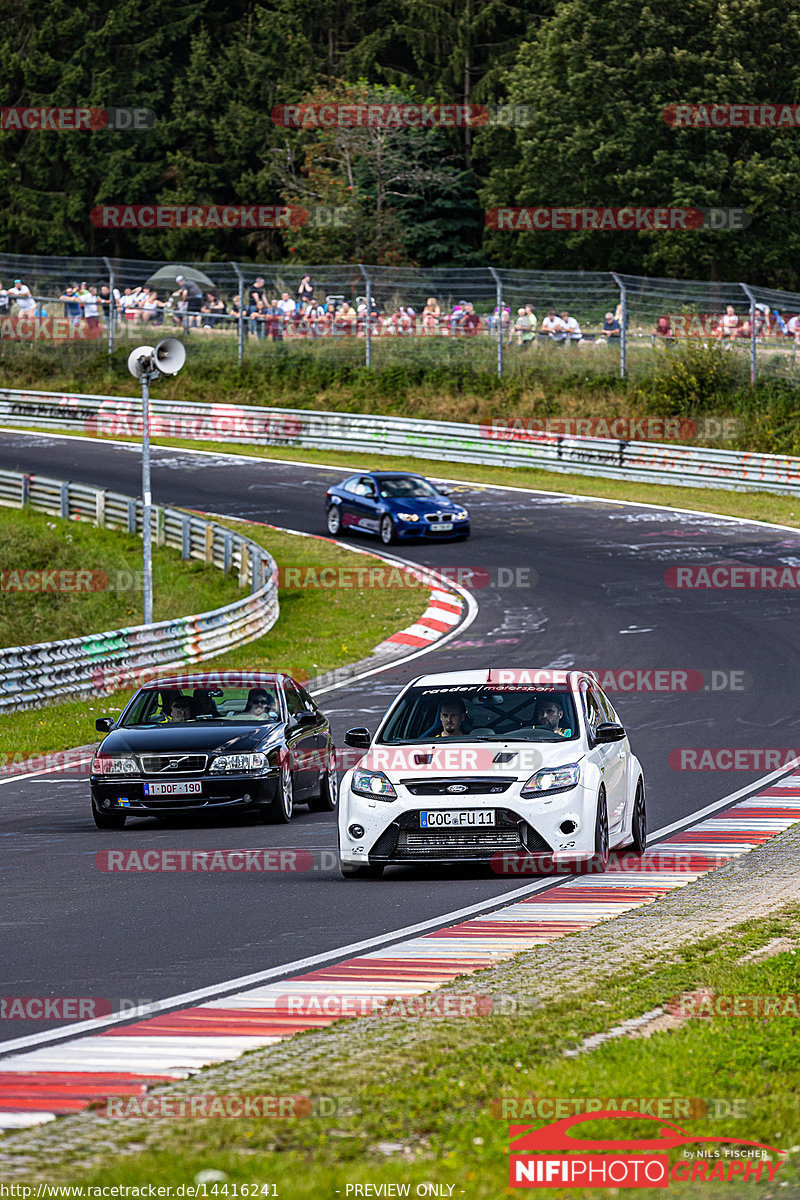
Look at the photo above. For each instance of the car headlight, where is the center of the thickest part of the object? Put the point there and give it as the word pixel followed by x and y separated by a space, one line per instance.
pixel 552 779
pixel 239 762
pixel 114 766
pixel 461 516
pixel 407 517
pixel 373 784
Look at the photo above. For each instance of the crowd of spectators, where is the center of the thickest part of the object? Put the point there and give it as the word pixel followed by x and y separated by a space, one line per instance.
pixel 280 314
pixel 728 327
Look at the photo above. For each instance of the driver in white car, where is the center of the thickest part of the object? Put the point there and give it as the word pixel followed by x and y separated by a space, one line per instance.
pixel 548 714
pixel 452 715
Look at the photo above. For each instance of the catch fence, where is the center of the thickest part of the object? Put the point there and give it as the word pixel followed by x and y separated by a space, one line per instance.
pixel 496 320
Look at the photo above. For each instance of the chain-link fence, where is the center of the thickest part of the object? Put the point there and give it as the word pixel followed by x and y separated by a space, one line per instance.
pixel 495 320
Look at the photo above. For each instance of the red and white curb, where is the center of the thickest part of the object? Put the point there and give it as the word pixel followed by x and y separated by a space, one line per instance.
pixel 444 611
pixel 40 1084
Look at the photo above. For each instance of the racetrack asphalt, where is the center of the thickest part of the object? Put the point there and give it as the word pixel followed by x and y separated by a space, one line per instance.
pixel 595 597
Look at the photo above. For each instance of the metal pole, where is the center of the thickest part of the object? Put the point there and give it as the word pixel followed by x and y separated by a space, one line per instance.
pixel 147 551
pixel 753 360
pixel 623 333
pixel 368 323
pixel 241 313
pixel 112 312
pixel 499 283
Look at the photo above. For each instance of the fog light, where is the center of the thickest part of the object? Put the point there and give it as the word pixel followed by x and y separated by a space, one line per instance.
pixel 355 831
pixel 247 797
pixel 106 804
pixel 568 826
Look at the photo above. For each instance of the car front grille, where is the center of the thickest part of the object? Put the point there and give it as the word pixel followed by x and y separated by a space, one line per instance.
pixel 467 787
pixel 174 764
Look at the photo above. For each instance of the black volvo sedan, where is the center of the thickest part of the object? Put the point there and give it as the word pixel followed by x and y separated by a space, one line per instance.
pixel 187 743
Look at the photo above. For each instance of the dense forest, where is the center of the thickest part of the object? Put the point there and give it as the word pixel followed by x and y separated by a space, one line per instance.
pixel 593 80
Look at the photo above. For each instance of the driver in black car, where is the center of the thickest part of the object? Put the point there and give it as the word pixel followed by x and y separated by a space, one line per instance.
pixel 548 714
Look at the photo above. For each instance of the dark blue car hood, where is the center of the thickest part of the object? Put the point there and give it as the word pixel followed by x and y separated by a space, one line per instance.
pixel 424 504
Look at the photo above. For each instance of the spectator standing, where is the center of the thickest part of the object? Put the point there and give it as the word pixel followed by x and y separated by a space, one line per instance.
pixel 5 303
pixel 90 303
pixel 258 308
pixel 72 307
pixel 21 293
pixel 305 292
pixel 192 295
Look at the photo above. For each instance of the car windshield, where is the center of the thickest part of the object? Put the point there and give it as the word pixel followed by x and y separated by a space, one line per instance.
pixel 171 706
pixel 482 713
pixel 406 487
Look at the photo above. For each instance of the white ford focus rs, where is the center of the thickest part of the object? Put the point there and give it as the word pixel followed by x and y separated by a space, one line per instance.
pixel 487 766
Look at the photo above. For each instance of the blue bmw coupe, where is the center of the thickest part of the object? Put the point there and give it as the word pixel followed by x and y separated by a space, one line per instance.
pixel 395 506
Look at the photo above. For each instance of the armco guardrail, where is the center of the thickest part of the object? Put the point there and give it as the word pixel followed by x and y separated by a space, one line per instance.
pixel 449 441
pixel 105 662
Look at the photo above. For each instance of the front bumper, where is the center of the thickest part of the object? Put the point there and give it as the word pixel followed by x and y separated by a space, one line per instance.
pixel 393 832
pixel 127 793
pixel 422 529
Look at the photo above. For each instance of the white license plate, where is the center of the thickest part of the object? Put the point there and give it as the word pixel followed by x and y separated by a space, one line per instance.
pixel 441 526
pixel 449 818
pixel 173 789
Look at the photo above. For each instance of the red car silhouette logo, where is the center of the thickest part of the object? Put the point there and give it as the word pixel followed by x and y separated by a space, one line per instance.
pixel 527 1139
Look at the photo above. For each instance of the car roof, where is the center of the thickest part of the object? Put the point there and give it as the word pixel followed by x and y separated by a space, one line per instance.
pixel 216 679
pixel 494 676
pixel 396 475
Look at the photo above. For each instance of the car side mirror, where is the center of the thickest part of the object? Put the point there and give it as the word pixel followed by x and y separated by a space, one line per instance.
pixel 104 724
pixel 305 718
pixel 443 491
pixel 358 738
pixel 609 731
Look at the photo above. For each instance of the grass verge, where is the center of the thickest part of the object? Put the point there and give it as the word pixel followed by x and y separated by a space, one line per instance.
pixel 318 630
pixel 110 596
pixel 434 379
pixel 416 1100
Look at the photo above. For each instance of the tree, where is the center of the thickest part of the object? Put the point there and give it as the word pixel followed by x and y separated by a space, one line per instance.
pixel 599 80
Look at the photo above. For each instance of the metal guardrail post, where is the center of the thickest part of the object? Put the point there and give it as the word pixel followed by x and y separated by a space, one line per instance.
pixel 112 312
pixel 753 358
pixel 147 582
pixel 368 322
pixel 240 279
pixel 499 283
pixel 623 333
